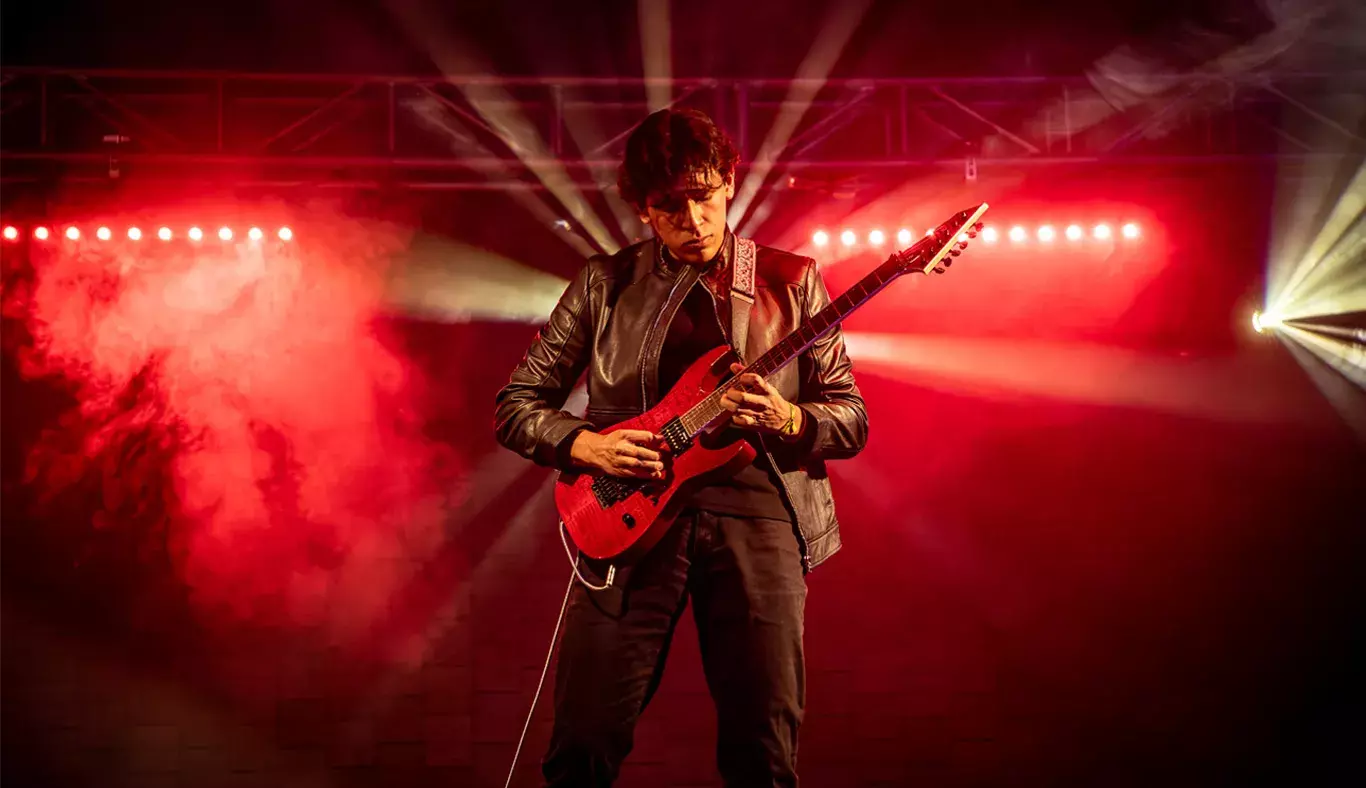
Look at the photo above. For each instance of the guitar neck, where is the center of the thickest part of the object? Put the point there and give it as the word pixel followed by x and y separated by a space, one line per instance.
pixel 924 256
pixel 824 321
pixel 795 343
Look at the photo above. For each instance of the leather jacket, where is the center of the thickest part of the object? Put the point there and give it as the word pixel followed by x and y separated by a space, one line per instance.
pixel 611 322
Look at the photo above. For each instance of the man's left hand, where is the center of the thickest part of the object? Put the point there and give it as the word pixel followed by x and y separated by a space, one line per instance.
pixel 755 404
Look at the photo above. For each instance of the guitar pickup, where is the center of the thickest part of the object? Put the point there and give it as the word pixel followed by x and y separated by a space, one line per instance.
pixel 676 435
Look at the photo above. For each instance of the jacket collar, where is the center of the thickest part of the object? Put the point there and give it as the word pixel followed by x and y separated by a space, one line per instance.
pixel 716 273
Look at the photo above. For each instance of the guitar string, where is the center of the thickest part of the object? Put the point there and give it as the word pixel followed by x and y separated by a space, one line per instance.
pixel 691 416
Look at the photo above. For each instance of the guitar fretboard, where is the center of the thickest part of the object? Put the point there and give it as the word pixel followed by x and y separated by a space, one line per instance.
pixel 794 344
pixel 923 256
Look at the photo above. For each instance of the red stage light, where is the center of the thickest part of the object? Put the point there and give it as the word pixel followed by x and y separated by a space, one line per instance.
pixel 11 233
pixel 196 234
pixel 819 238
pixel 164 233
pixel 903 237
pixel 1073 232
pixel 848 238
pixel 1130 230
pixel 103 234
pixel 224 234
pixel 1101 231
pixel 134 233
pixel 876 238
pixel 255 233
pixel 40 233
pixel 1017 234
pixel 73 234
pixel 1047 233
pixel 286 233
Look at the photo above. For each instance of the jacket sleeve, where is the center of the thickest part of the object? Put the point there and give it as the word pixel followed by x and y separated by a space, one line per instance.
pixel 836 423
pixel 528 418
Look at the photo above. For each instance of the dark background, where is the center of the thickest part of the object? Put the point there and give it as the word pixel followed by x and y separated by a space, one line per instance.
pixel 710 38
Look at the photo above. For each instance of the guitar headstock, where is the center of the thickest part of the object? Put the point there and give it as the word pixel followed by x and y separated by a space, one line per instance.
pixel 935 252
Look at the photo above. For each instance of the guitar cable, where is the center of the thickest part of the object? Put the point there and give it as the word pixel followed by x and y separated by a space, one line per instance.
pixel 554 637
pixel 574 562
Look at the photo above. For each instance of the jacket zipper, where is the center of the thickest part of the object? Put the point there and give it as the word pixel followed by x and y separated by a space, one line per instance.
pixel 649 338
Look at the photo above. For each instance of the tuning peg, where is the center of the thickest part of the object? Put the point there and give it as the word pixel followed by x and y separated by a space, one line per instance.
pixel 947 262
pixel 955 252
pixel 939 270
pixel 978 226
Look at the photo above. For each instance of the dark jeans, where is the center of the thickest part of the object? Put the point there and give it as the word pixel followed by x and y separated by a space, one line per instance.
pixel 745 579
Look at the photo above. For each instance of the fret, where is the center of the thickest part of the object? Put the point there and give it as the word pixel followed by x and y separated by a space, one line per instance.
pixel 702 413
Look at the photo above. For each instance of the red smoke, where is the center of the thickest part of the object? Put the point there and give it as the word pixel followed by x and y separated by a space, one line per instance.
pixel 240 393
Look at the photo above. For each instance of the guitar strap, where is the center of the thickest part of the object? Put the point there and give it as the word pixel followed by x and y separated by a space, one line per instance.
pixel 741 293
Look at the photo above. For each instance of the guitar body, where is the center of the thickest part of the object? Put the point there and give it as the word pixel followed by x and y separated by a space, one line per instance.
pixel 611 517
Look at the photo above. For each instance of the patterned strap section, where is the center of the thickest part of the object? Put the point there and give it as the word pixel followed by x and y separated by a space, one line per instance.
pixel 742 277
pixel 741 294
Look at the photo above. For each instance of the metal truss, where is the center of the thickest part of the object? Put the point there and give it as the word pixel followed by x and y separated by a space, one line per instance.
pixel 489 132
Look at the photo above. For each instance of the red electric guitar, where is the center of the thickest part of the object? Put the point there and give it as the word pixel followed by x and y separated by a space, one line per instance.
pixel 611 517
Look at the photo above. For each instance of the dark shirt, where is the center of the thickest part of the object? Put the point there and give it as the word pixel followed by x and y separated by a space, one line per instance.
pixel 696 329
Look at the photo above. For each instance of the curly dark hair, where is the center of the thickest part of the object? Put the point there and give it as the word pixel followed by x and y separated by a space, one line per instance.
pixel 668 147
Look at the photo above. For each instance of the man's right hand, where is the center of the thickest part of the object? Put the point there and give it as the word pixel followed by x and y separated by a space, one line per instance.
pixel 630 453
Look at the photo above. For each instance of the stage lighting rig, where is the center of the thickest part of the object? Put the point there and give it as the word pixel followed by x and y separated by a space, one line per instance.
pixel 1263 323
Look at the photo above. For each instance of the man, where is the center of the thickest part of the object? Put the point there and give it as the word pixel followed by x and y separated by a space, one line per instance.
pixel 741 548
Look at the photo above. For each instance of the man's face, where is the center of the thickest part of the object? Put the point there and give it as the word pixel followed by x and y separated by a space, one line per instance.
pixel 691 220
